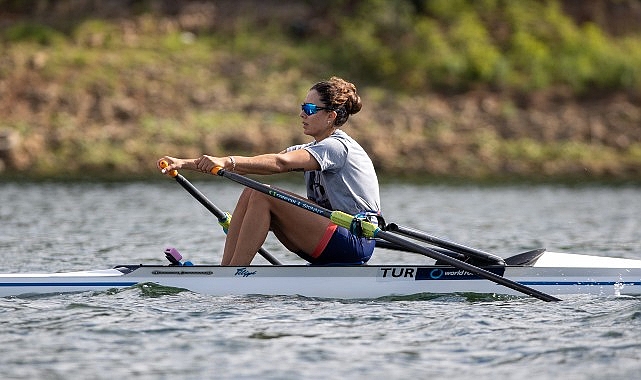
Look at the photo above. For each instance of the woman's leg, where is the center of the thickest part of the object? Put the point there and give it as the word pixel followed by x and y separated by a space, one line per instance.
pixel 257 213
pixel 234 227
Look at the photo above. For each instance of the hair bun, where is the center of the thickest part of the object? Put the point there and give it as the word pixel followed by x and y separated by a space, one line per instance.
pixel 350 98
pixel 341 96
pixel 353 104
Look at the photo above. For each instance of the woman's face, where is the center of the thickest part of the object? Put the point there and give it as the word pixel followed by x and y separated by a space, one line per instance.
pixel 321 124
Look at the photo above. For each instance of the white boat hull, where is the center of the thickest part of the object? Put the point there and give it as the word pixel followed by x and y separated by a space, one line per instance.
pixel 553 273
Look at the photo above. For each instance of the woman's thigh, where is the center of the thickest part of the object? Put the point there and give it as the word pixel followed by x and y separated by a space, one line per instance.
pixel 297 228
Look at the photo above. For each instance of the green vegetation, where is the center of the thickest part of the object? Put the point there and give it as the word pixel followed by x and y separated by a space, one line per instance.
pixel 504 45
pixel 93 93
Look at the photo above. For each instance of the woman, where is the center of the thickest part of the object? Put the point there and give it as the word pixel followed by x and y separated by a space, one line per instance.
pixel 338 173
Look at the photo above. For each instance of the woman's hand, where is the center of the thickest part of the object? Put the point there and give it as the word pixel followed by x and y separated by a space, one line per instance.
pixel 207 163
pixel 172 163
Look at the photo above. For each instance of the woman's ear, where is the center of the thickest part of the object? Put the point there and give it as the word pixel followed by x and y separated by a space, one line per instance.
pixel 331 117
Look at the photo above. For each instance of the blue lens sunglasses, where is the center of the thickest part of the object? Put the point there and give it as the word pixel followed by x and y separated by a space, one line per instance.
pixel 311 108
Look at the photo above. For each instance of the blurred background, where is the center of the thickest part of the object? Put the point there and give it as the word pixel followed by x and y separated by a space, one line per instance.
pixel 471 90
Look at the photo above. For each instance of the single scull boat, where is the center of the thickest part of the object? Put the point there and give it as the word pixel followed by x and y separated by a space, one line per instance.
pixel 549 272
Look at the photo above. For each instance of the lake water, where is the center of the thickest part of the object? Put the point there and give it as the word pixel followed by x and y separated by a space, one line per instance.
pixel 148 333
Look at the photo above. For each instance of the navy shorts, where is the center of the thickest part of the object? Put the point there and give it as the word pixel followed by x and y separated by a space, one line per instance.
pixel 339 246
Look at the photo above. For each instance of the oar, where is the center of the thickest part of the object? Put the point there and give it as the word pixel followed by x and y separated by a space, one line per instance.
pixel 372 231
pixel 380 243
pixel 465 250
pixel 223 217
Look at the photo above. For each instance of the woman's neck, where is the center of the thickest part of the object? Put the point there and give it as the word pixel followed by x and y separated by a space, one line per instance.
pixel 325 135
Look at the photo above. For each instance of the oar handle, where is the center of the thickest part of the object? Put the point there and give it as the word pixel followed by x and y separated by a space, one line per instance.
pixel 216 170
pixel 163 164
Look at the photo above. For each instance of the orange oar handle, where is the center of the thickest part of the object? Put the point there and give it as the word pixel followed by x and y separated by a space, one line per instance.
pixel 216 170
pixel 163 164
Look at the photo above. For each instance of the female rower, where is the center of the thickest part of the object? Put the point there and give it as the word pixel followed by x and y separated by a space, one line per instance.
pixel 339 175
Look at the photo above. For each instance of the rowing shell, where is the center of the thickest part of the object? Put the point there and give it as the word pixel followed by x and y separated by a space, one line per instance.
pixel 550 272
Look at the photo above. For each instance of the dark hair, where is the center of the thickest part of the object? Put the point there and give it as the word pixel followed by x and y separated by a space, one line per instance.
pixel 339 95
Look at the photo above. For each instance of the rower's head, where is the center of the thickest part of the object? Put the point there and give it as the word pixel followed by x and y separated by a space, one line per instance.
pixel 338 95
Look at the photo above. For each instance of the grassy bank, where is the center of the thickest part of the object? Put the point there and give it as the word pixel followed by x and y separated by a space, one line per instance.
pixel 466 90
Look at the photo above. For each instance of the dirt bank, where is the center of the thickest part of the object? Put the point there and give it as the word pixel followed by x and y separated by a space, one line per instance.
pixel 91 111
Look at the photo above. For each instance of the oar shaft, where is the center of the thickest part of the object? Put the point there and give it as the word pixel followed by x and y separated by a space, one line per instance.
pixel 380 243
pixel 266 189
pixel 420 235
pixel 200 197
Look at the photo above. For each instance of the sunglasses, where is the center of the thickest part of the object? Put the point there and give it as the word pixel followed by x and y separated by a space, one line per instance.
pixel 311 108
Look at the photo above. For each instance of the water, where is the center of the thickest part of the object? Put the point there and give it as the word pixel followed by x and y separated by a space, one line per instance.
pixel 158 333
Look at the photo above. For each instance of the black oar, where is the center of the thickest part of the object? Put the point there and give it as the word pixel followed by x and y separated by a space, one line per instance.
pixel 223 217
pixel 372 231
pixel 465 250
pixel 380 243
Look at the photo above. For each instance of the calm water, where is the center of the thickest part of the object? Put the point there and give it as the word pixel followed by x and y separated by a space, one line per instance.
pixel 149 333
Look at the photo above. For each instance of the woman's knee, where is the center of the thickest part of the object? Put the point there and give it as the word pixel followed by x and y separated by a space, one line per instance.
pixel 249 195
pixel 245 194
pixel 255 198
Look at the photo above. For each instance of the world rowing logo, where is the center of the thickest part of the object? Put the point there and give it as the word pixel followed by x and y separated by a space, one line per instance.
pixel 447 273
pixel 436 273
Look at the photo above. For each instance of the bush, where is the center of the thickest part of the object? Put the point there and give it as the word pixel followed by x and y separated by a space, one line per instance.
pixel 460 44
pixel 31 32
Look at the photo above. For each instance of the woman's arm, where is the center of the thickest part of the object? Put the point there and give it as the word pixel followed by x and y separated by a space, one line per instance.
pixel 296 160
